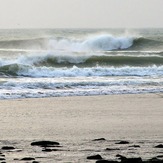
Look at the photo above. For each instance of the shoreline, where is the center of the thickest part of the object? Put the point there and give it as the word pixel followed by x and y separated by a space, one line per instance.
pixel 125 94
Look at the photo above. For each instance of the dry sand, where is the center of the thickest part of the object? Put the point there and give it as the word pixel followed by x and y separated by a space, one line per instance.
pixel 112 116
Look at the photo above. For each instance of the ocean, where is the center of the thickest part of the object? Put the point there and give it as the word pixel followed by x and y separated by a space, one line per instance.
pixel 36 63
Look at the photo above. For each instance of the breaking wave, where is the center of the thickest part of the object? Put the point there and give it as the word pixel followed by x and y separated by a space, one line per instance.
pixel 64 59
pixel 29 71
pixel 99 42
pixel 93 60
pixel 105 42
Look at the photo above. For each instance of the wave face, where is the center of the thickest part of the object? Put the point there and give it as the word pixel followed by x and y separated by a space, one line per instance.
pixel 46 63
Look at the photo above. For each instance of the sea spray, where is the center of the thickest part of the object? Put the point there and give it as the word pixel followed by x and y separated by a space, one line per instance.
pixel 93 43
pixel 107 42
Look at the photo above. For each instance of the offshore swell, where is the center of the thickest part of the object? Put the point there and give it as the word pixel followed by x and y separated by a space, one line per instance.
pixel 80 62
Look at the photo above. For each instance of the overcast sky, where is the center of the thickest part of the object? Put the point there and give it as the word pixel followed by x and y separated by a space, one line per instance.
pixel 81 13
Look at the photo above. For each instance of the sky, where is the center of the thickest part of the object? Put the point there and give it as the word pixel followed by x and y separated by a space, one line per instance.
pixel 81 13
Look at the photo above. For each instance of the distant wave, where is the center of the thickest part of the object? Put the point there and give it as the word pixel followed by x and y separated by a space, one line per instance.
pixel 37 43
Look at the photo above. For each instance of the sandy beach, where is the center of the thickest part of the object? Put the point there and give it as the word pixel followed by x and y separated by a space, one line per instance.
pixel 75 120
pixel 113 117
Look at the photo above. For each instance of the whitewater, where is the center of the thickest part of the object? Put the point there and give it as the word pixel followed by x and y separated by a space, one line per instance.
pixel 80 62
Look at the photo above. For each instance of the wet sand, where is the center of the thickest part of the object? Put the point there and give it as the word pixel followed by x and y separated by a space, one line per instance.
pixel 76 121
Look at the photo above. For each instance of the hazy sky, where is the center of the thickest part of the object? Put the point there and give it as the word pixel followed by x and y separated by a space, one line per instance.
pixel 80 13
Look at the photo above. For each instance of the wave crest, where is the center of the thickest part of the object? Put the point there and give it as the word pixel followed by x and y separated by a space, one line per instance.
pixel 96 43
pixel 108 42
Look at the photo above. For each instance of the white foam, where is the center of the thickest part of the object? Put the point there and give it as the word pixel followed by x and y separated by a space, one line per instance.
pixel 93 71
pixel 46 87
pixel 94 43
pixel 107 42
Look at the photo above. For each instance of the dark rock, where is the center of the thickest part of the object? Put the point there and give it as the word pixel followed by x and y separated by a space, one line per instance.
pixel 155 160
pixel 122 142
pixel 112 149
pixel 52 146
pixel 160 156
pixel 28 159
pixel 7 148
pixel 57 150
pixel 47 150
pixel 44 143
pixel 106 161
pixel 135 146
pixel 94 157
pixel 2 158
pixel 100 139
pixel 35 162
pixel 129 160
pixel 132 160
pixel 50 150
pixel 159 146
pixel 121 157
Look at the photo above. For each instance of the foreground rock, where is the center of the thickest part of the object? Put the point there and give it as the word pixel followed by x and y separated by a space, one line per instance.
pixel 7 148
pixel 27 159
pixel 94 157
pixel 129 160
pixel 47 150
pixel 112 149
pixel 45 143
pixel 122 142
pixel 154 160
pixel 2 155
pixel 100 139
pixel 135 146
pixel 2 159
pixel 121 157
pixel 106 161
pixel 160 156
pixel 159 146
pixel 132 160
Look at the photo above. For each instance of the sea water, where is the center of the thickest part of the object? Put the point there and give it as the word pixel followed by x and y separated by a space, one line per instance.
pixel 80 62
